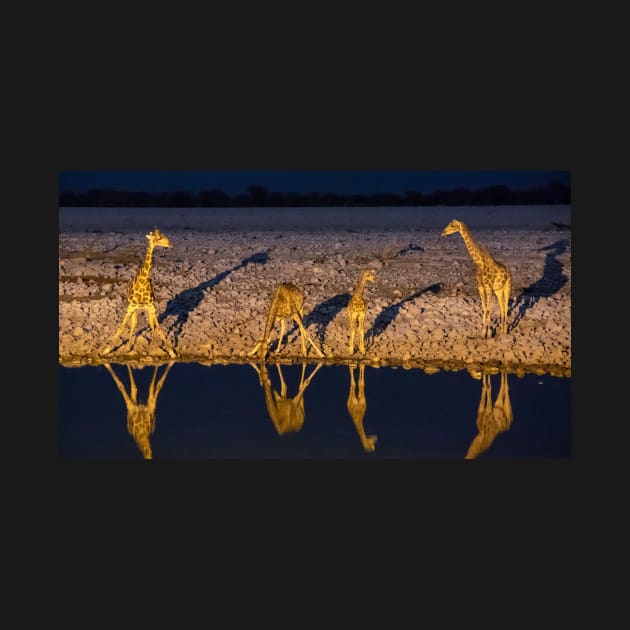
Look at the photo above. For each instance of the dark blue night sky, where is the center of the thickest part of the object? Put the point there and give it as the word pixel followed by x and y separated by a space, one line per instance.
pixel 340 182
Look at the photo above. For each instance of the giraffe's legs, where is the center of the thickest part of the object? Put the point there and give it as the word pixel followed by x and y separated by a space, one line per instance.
pixel 352 327
pixel 362 380
pixel 255 348
pixel 130 310
pixel 119 385
pixel 485 402
pixel 484 308
pixel 160 383
pixel 361 321
pixel 305 334
pixel 477 446
pixel 261 345
pixel 133 389
pixel 132 327
pixel 503 404
pixel 353 385
pixel 282 330
pixel 503 297
pixel 156 328
pixel 302 377
pixel 489 298
pixel 356 406
pixel 283 385
pixel 257 371
pixel 482 296
pixel 305 383
pixel 502 316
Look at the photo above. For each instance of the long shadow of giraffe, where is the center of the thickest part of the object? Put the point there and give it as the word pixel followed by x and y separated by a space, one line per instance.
pixel 187 300
pixel 409 248
pixel 388 315
pixel 325 312
pixel 552 280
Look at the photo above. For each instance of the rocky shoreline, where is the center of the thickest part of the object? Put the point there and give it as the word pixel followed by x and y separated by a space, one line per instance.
pixel 213 290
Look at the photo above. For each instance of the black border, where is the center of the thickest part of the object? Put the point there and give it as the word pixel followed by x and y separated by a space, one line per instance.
pixel 438 129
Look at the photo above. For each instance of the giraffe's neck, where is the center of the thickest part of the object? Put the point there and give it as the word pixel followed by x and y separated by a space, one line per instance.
pixel 358 292
pixel 473 249
pixel 143 273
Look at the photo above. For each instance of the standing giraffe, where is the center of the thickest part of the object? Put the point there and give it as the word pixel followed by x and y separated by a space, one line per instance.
pixel 492 419
pixel 141 297
pixel 287 303
pixel 492 276
pixel 287 414
pixel 141 417
pixel 357 407
pixel 357 308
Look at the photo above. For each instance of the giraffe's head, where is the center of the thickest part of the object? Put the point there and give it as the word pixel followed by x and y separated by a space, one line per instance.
pixel 158 239
pixel 369 275
pixel 287 413
pixel 452 227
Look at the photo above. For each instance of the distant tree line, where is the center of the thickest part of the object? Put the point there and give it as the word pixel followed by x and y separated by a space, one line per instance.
pixel 259 196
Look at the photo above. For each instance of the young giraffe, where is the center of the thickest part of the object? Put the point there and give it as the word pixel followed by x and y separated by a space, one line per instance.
pixel 357 406
pixel 492 276
pixel 287 303
pixel 141 418
pixel 357 308
pixel 492 419
pixel 287 414
pixel 141 296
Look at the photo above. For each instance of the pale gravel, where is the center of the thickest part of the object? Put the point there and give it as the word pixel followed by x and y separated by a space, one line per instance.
pixel 214 289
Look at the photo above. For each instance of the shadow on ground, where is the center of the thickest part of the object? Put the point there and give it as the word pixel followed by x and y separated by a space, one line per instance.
pixel 188 300
pixel 325 312
pixel 552 280
pixel 389 314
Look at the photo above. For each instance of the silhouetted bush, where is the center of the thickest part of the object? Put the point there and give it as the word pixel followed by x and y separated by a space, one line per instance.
pixel 259 196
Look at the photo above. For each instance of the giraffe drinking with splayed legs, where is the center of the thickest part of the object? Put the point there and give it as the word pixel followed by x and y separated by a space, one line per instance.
pixel 141 297
pixel 492 276
pixel 287 303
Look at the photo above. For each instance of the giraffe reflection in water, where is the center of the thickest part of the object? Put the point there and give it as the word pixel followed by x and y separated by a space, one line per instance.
pixel 357 407
pixel 141 417
pixel 492 418
pixel 287 414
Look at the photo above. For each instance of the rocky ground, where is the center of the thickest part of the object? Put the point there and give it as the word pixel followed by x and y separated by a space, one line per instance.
pixel 214 288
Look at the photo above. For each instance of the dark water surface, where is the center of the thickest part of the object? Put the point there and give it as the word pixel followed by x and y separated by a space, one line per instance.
pixel 221 411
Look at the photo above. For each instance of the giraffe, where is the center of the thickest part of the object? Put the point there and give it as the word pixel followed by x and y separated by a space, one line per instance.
pixel 492 276
pixel 141 297
pixel 492 419
pixel 357 406
pixel 287 303
pixel 141 417
pixel 357 308
pixel 287 414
